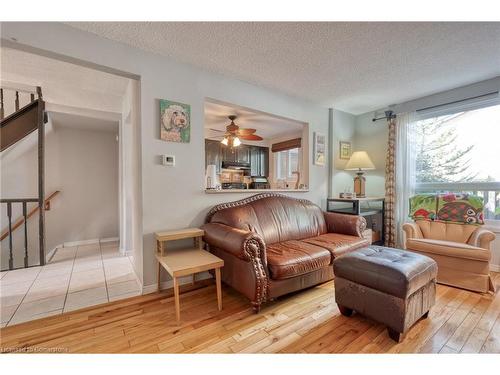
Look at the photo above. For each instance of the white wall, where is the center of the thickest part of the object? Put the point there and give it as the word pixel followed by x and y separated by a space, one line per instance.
pixel 174 197
pixel 83 165
pixel 130 183
pixel 343 130
pixel 87 169
pixel 372 137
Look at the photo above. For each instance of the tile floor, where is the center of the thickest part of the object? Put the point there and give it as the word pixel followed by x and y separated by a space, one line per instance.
pixel 76 277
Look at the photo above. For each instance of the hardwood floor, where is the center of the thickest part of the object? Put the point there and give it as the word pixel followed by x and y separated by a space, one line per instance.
pixel 306 322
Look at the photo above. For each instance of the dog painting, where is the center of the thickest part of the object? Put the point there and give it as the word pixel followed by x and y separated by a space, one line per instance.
pixel 175 121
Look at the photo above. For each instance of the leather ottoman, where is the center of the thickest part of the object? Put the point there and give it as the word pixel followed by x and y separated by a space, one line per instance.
pixel 391 286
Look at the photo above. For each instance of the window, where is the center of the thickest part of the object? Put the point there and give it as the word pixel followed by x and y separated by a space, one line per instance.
pixel 287 162
pixel 460 152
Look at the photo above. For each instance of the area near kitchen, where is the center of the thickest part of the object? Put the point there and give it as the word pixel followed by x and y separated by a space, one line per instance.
pixel 247 149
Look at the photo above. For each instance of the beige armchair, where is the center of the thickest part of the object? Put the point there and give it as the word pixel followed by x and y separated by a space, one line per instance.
pixel 461 251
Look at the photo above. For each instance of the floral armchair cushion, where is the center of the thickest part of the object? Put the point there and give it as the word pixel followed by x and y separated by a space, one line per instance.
pixel 450 207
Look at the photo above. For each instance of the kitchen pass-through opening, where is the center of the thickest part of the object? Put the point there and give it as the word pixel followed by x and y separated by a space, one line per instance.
pixel 250 150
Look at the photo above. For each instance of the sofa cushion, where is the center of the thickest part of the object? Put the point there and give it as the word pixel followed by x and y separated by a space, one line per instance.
pixel 448 248
pixel 392 271
pixel 436 230
pixel 294 258
pixel 338 244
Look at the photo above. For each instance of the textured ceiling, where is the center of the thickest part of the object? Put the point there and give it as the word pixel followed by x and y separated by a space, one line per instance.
pixel 267 126
pixel 356 67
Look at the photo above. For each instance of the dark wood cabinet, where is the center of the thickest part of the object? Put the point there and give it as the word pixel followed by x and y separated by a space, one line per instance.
pixel 213 154
pixel 259 161
pixel 257 156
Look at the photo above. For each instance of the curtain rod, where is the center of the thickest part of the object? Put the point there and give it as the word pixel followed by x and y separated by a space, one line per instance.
pixel 457 101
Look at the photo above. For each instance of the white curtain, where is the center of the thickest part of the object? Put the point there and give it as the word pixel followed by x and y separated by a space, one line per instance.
pixel 405 169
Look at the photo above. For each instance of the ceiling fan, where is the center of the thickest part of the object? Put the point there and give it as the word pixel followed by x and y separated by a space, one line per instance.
pixel 234 134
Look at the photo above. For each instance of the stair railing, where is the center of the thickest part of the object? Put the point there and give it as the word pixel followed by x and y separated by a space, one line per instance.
pixel 22 221
pixel 40 121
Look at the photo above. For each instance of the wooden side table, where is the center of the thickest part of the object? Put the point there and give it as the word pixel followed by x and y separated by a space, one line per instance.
pixel 187 261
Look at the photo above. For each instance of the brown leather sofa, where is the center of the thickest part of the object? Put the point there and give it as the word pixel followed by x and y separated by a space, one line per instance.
pixel 461 251
pixel 272 244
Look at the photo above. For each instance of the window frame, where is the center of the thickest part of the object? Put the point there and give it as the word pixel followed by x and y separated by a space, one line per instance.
pixel 277 164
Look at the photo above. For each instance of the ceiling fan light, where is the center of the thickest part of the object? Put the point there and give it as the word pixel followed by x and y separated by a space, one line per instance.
pixel 236 142
pixel 224 141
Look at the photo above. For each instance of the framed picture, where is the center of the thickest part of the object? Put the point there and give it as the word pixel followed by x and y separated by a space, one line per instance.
pixel 319 149
pixel 345 150
pixel 175 123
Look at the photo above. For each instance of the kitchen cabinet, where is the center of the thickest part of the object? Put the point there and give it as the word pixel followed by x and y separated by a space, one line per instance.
pixel 258 157
pixel 213 154
pixel 259 161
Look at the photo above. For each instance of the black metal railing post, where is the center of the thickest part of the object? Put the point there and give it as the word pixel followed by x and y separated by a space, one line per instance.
pixel 41 175
pixel 25 214
pixel 11 255
pixel 17 101
pixel 2 109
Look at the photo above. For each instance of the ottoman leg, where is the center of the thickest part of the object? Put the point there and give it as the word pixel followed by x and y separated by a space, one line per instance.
pixel 395 335
pixel 345 310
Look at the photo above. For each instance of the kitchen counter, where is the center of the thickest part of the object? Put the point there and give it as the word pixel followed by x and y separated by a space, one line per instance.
pixel 223 191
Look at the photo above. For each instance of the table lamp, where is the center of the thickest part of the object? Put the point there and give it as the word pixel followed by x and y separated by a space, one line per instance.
pixel 359 161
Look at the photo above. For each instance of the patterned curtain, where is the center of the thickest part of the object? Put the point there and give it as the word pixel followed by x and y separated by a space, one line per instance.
pixel 390 186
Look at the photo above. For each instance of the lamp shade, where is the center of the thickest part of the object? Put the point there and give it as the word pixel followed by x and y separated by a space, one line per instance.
pixel 359 161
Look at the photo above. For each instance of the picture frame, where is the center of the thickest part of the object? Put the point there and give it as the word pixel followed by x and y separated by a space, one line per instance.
pixel 319 149
pixel 175 121
pixel 345 150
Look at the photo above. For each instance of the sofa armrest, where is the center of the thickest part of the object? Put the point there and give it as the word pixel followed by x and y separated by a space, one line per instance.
pixel 412 230
pixel 245 245
pixel 345 224
pixel 482 238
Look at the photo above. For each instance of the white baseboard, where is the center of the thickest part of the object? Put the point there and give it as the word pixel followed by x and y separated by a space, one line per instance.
pixel 80 243
pixel 495 267
pixel 89 242
pixel 109 239
pixel 170 284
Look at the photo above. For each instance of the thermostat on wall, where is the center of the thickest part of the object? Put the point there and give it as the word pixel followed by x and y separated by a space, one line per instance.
pixel 168 160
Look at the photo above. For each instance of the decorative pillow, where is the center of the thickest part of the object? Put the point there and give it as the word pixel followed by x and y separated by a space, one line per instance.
pixel 423 207
pixel 449 207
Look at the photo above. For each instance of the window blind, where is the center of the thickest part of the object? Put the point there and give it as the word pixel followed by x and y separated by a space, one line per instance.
pixel 286 145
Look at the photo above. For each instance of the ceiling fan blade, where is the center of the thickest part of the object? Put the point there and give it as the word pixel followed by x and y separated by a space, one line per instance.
pixel 251 137
pixel 246 131
pixel 217 130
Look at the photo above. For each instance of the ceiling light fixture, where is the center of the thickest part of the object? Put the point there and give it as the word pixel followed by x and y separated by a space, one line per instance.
pixel 231 141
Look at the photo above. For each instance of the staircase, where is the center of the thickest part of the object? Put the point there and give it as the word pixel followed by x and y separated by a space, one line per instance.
pixel 13 128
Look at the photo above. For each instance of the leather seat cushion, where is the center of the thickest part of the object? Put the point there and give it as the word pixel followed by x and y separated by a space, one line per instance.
pixel 396 272
pixel 338 244
pixel 294 258
pixel 448 248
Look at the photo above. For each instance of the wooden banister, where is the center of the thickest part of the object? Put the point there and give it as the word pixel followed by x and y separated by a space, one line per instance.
pixel 20 221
